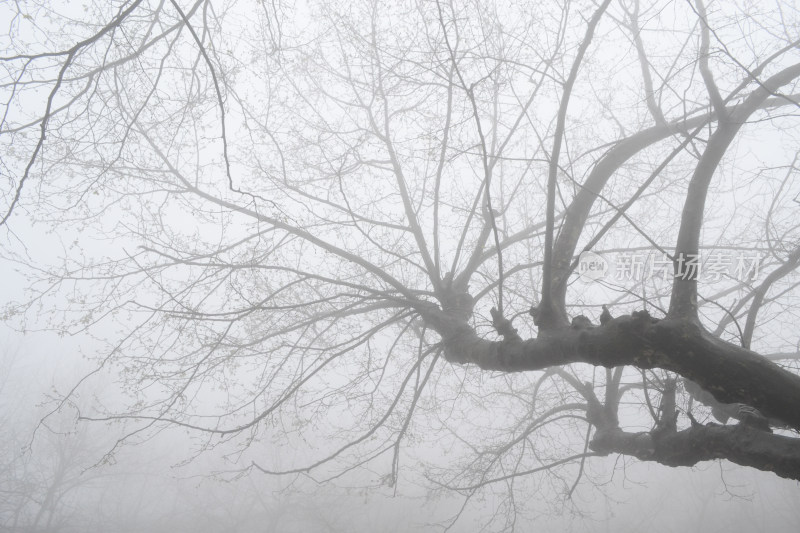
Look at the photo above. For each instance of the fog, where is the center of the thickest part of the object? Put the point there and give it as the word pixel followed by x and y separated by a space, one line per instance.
pixel 61 479
pixel 321 266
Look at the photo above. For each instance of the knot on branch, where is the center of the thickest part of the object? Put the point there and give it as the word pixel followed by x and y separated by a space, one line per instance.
pixel 638 323
pixel 602 416
pixel 503 326
pixel 546 317
pixel 605 316
pixel 750 416
pixel 643 317
pixel 535 313
pixel 581 322
pixel 596 415
pixel 668 418
pixel 458 304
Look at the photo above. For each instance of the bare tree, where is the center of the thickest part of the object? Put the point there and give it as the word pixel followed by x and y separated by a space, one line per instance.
pixel 287 221
pixel 41 481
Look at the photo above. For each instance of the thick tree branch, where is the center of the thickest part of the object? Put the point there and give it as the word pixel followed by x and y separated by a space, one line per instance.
pixel 739 444
pixel 684 289
pixel 552 313
pixel 760 292
pixel 578 211
pixel 730 373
